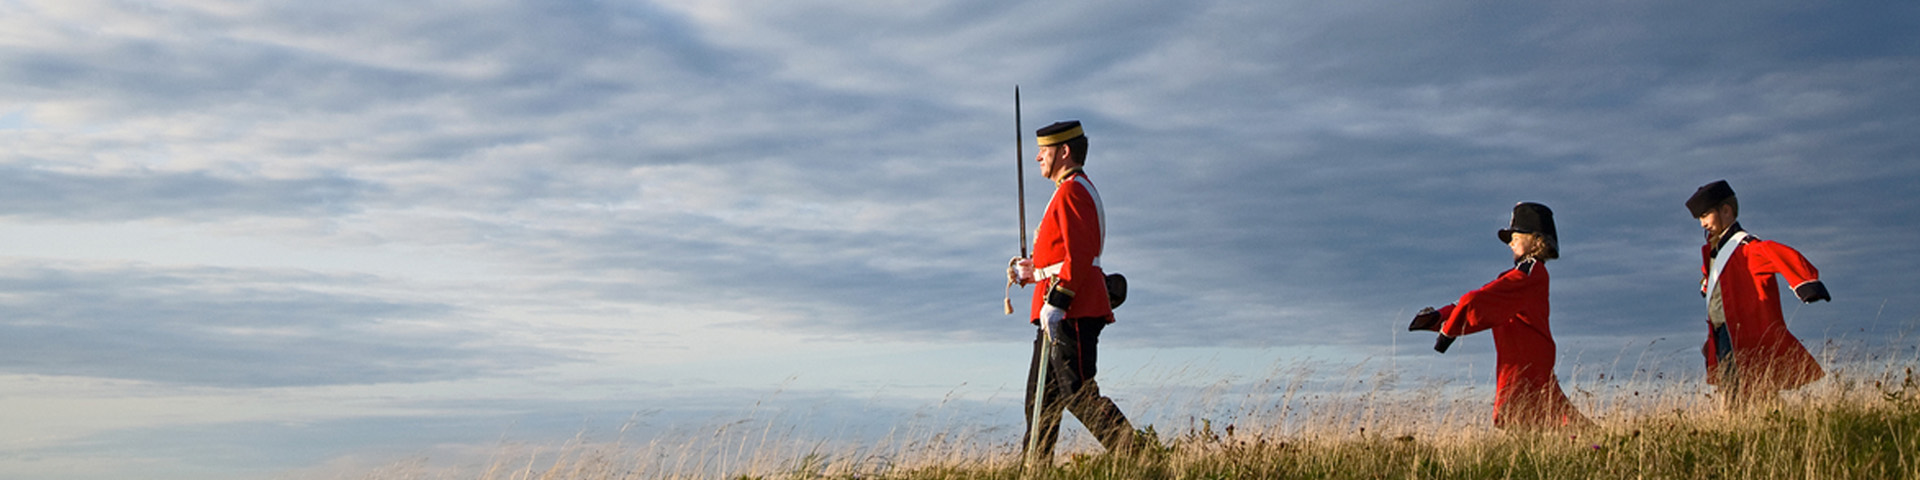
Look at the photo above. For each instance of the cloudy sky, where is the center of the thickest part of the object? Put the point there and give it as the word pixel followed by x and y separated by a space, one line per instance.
pixel 242 239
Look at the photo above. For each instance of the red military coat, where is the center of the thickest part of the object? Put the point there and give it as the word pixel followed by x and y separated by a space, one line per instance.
pixel 1766 356
pixel 1515 307
pixel 1067 246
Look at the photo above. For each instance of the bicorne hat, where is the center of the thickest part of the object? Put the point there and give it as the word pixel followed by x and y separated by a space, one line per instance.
pixel 1058 133
pixel 1709 196
pixel 1529 217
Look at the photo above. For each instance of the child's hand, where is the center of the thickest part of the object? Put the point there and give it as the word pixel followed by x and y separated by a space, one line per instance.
pixel 1812 291
pixel 1428 319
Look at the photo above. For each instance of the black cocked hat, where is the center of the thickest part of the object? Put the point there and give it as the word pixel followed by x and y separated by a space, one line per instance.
pixel 1709 196
pixel 1531 218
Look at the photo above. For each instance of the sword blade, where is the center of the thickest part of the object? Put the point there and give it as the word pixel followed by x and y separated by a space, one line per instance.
pixel 1020 168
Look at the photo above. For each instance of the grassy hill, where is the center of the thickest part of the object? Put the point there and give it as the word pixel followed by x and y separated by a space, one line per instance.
pixel 1850 425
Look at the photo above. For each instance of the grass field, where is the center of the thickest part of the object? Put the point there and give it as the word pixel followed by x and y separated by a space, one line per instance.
pixel 1857 423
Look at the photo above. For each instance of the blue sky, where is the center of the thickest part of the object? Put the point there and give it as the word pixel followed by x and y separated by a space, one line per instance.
pixel 332 234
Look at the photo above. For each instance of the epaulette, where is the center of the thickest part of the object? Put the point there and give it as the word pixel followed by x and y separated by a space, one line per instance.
pixel 1525 266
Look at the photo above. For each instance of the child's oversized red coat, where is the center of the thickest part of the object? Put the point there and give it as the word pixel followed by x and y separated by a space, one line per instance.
pixel 1515 307
pixel 1766 356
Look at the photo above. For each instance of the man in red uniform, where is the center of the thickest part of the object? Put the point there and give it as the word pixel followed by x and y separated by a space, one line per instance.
pixel 1070 303
pixel 1750 354
pixel 1514 306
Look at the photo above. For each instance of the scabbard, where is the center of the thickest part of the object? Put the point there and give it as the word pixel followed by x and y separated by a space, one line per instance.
pixel 1033 460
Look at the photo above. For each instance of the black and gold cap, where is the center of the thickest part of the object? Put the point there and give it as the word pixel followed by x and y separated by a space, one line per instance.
pixel 1058 133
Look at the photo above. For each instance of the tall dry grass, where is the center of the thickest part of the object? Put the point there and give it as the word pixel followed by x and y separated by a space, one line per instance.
pixel 1863 421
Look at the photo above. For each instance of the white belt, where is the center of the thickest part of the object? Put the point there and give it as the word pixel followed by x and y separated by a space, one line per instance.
pixel 1716 311
pixel 1054 269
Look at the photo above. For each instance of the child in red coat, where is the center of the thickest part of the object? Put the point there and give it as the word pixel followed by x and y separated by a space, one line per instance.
pixel 1750 354
pixel 1514 306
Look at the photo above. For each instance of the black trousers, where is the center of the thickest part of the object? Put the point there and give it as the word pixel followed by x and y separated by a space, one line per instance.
pixel 1070 387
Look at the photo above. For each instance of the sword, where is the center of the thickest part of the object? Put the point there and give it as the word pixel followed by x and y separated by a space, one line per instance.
pixel 1020 168
pixel 1046 340
pixel 1020 178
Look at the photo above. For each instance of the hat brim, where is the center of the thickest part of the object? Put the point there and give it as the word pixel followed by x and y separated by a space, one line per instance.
pixel 1506 234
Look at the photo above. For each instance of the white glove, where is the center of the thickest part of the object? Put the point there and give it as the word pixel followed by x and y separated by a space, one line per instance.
pixel 1020 271
pixel 1053 321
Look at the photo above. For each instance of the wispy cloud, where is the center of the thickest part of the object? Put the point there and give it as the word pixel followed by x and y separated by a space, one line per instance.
pixel 234 328
pixel 578 192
